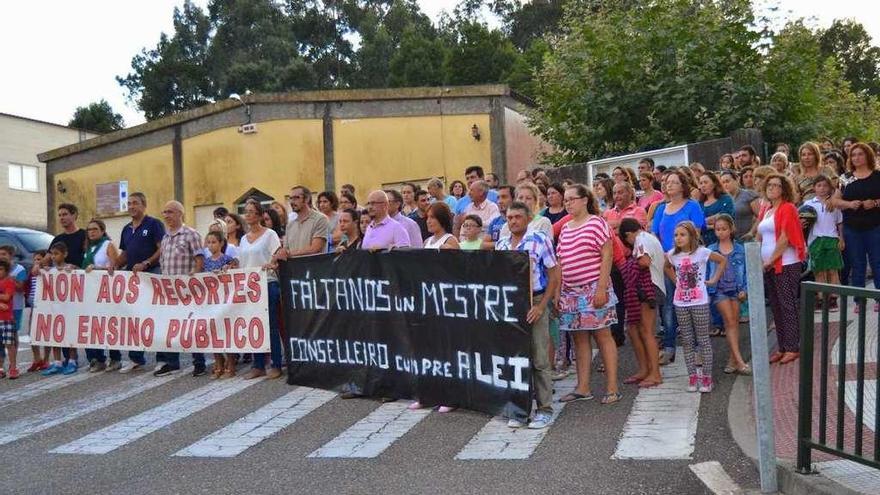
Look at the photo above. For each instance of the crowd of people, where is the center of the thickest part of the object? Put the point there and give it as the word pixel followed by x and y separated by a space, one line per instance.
pixel 642 244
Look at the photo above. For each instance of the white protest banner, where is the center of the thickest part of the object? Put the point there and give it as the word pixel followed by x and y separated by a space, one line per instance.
pixel 208 312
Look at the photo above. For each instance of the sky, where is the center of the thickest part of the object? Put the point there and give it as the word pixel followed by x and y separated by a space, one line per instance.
pixel 58 54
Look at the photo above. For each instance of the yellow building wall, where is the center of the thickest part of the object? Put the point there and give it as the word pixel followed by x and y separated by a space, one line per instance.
pixel 221 165
pixel 149 171
pixel 370 152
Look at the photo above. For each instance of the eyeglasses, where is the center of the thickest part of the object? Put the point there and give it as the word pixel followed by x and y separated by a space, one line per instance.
pixel 376 203
pixel 569 200
pixel 774 184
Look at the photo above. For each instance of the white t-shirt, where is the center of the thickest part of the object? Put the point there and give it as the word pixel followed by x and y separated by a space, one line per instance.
pixel 690 277
pixel 260 252
pixel 767 229
pixel 648 244
pixel 538 224
pixel 431 244
pixel 826 221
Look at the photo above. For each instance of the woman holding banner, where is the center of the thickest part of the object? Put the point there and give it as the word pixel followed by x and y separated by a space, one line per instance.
pixel 586 301
pixel 100 254
pixel 257 250
pixel 350 226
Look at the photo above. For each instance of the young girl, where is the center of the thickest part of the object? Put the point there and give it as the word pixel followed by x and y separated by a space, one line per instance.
pixel 686 265
pixel 825 239
pixel 470 233
pixel 58 256
pixel 643 278
pixel 731 289
pixel 217 260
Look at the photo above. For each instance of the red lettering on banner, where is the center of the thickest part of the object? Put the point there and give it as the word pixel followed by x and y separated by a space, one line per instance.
pixel 197 290
pixel 48 293
pixel 173 331
pixel 63 287
pixel 158 296
pixel 182 292
pixel 82 330
pixel 169 292
pixel 104 290
pixel 226 280
pixel 256 333
pixel 239 339
pixel 186 333
pixel 50 329
pixel 132 332
pixel 99 327
pixel 118 288
pixel 254 286
pixel 114 329
pixel 133 289
pixel 216 340
pixel 148 330
pixel 201 334
pixel 211 286
pixel 238 279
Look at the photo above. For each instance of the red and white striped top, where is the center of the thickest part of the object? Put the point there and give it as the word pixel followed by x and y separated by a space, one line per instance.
pixel 580 251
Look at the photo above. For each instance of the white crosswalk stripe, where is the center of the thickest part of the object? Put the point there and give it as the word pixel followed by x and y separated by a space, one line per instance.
pixel 39 422
pixel 259 425
pixel 372 435
pixel 663 420
pixel 128 430
pixel 42 386
pixel 498 441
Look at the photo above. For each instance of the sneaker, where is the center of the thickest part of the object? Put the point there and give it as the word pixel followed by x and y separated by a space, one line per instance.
pixel 96 366
pixel 692 383
pixel 445 409
pixel 165 370
pixel 540 421
pixel 415 406
pixel 13 373
pixel 705 385
pixel 113 366
pixel 199 369
pixel 273 373
pixel 53 369
pixel 159 365
pixel 70 368
pixel 667 357
pixel 44 365
pixel 130 367
pixel 35 366
pixel 515 423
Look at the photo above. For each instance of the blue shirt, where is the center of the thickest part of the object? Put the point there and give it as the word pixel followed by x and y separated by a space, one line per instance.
pixel 724 204
pixel 465 200
pixel 495 227
pixel 141 244
pixel 734 277
pixel 540 250
pixel 663 225
pixel 212 265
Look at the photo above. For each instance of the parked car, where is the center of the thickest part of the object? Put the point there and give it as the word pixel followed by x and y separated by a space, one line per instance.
pixel 25 241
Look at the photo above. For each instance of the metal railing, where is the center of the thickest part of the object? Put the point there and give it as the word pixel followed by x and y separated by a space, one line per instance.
pixel 842 446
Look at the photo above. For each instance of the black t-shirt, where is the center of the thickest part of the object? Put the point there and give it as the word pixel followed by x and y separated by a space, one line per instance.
pixel 76 246
pixel 862 189
pixel 422 223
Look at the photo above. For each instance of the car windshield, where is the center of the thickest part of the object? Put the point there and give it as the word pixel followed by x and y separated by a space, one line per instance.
pixel 33 241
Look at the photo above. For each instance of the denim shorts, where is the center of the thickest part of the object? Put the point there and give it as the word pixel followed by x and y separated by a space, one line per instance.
pixel 725 296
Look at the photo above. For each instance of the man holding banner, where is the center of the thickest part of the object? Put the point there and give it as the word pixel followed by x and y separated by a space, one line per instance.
pixel 180 254
pixel 545 280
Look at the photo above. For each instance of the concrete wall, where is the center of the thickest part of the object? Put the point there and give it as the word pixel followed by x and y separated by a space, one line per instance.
pixel 524 150
pixel 20 141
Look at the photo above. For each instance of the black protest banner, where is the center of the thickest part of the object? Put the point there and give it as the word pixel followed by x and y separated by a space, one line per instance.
pixel 443 327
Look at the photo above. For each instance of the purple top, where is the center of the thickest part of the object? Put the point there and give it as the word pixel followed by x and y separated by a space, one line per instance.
pixel 412 230
pixel 385 234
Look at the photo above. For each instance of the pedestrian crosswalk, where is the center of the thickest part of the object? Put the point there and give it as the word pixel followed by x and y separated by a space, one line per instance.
pixel 276 408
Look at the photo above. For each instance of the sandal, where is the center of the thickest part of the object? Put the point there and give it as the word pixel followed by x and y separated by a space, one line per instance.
pixel 716 332
pixel 600 367
pixel 632 380
pixel 574 397
pixel 649 384
pixel 746 370
pixel 611 398
pixel 729 369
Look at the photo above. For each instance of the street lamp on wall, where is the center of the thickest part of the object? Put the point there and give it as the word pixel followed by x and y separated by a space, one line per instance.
pixel 60 187
pixel 475 132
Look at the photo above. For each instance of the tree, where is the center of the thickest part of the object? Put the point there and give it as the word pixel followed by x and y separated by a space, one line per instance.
pixel 527 22
pixel 173 76
pixel 478 55
pixel 97 117
pixel 625 75
pixel 418 61
pixel 848 42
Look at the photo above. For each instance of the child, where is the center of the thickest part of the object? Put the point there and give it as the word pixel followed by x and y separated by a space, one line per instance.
pixel 731 289
pixel 215 261
pixel 686 265
pixel 41 356
pixel 825 239
pixel 58 257
pixel 470 233
pixel 8 331
pixel 18 275
pixel 643 279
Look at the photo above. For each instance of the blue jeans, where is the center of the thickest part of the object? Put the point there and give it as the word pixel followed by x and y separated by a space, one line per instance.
pixel 862 247
pixel 135 356
pixel 670 324
pixel 274 330
pixel 173 358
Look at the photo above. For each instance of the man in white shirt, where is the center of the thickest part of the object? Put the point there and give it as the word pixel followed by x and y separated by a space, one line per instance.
pixel 480 204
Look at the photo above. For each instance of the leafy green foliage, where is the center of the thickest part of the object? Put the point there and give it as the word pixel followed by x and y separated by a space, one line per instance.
pixel 97 117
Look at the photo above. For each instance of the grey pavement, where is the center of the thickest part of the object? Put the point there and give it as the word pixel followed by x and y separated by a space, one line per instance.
pixel 160 435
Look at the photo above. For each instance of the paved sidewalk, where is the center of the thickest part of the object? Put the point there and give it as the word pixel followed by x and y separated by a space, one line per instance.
pixel 785 387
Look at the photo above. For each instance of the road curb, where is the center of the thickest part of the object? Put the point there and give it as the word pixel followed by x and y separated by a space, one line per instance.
pixel 740 419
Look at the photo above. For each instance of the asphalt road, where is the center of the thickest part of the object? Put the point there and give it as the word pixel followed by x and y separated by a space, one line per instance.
pixel 574 456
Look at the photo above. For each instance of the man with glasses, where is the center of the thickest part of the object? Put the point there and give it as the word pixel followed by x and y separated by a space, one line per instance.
pixel 180 253
pixel 383 232
pixel 546 278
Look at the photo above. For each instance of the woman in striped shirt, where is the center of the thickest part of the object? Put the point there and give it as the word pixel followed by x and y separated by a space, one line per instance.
pixel 586 302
